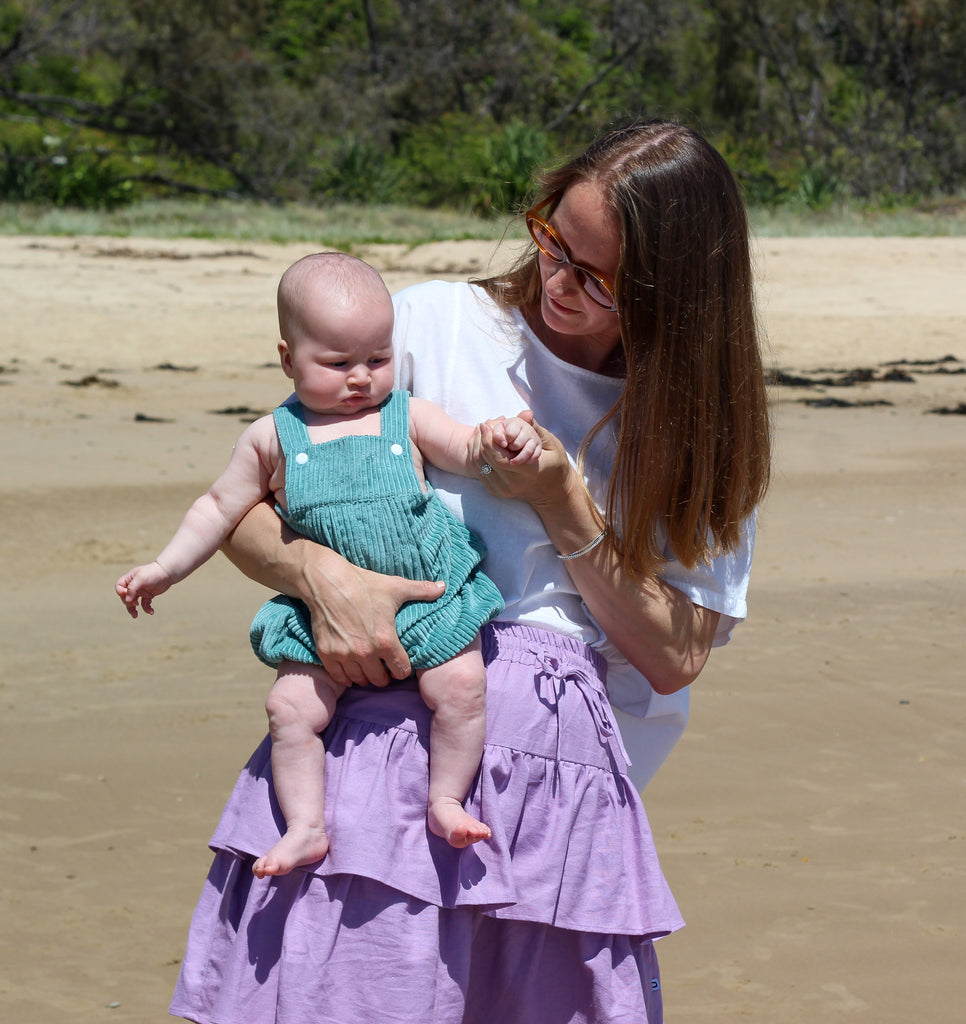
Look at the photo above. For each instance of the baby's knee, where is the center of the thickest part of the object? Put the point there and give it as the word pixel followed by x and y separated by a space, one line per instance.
pixel 282 705
pixel 467 679
pixel 292 695
pixel 458 688
pixel 303 695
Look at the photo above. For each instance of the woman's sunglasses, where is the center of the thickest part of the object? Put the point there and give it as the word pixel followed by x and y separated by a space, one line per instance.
pixel 598 289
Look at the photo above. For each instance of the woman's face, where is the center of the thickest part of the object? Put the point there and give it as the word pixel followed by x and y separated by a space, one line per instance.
pixel 578 330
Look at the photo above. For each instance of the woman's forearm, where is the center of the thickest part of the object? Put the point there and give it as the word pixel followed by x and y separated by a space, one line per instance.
pixel 267 551
pixel 660 631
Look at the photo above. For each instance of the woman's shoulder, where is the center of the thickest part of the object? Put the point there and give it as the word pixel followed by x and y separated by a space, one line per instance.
pixel 432 296
pixel 438 308
pixel 430 291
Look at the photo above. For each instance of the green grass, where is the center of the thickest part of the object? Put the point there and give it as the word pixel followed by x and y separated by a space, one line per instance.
pixel 933 219
pixel 341 225
pixel 345 225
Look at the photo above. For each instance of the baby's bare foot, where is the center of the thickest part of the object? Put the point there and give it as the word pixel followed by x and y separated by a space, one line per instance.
pixel 297 847
pixel 449 821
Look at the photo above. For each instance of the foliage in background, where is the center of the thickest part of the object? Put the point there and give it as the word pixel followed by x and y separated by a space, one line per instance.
pixel 439 104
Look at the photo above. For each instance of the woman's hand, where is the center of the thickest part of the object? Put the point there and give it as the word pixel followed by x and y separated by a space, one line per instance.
pixel 353 615
pixel 353 610
pixel 538 480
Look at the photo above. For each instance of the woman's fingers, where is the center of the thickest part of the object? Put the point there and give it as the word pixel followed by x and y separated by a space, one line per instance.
pixel 355 634
pixel 531 479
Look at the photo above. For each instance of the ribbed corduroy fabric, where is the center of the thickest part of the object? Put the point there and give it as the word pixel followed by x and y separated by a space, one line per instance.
pixel 360 496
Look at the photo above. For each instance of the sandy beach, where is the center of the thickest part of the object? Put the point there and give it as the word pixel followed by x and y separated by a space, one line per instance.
pixel 811 822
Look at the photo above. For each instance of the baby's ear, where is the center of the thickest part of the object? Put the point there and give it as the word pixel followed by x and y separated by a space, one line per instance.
pixel 285 357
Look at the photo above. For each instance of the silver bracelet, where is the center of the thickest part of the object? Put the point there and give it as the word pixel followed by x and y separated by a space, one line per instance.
pixel 587 548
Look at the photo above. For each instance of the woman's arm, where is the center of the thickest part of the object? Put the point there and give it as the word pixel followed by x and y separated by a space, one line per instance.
pixel 353 610
pixel 660 631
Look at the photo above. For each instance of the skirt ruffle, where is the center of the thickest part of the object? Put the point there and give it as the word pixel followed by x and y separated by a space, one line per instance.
pixel 571 854
pixel 346 950
pixel 571 844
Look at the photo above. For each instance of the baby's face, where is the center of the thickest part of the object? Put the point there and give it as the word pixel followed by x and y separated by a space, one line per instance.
pixel 347 366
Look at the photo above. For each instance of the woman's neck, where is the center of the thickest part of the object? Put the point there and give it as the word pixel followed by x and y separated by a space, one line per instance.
pixel 577 349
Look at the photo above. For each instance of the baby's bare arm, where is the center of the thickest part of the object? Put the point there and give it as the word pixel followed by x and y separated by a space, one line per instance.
pixel 210 519
pixel 455 447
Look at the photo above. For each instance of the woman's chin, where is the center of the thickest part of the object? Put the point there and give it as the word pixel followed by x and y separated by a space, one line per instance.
pixel 559 318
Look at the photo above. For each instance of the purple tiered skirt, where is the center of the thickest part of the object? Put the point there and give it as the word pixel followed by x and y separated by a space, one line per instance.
pixel 549 921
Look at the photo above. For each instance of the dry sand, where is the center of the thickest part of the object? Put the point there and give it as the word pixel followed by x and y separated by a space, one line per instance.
pixel 810 822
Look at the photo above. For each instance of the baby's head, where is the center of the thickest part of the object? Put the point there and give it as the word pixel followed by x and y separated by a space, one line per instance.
pixel 335 320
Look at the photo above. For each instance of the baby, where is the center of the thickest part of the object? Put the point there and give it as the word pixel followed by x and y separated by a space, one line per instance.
pixel 344 461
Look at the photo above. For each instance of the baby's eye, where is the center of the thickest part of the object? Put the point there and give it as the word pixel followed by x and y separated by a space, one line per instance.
pixel 379 361
pixel 337 365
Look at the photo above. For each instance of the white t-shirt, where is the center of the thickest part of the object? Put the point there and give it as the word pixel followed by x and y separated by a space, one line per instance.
pixel 457 348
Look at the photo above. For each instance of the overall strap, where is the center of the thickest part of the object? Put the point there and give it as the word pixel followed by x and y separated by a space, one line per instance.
pixel 394 417
pixel 290 425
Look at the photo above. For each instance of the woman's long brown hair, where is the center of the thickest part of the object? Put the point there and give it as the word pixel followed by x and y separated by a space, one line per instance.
pixel 693 449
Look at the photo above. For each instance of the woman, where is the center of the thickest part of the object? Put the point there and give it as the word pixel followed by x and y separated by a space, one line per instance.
pixel 629 333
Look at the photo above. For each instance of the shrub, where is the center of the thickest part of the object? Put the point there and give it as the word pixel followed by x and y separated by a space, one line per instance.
pixel 473 163
pixel 81 178
pixel 359 171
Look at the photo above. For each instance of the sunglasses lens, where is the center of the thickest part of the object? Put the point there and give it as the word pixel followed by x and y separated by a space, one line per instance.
pixel 594 288
pixel 546 242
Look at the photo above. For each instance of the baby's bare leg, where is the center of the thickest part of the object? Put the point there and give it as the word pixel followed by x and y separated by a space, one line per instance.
pixel 299 707
pixel 456 693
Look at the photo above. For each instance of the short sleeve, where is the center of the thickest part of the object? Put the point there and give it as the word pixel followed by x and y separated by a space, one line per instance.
pixel 720 585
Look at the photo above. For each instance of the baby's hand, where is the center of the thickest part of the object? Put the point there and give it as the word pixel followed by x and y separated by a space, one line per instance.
pixel 518 436
pixel 141 585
